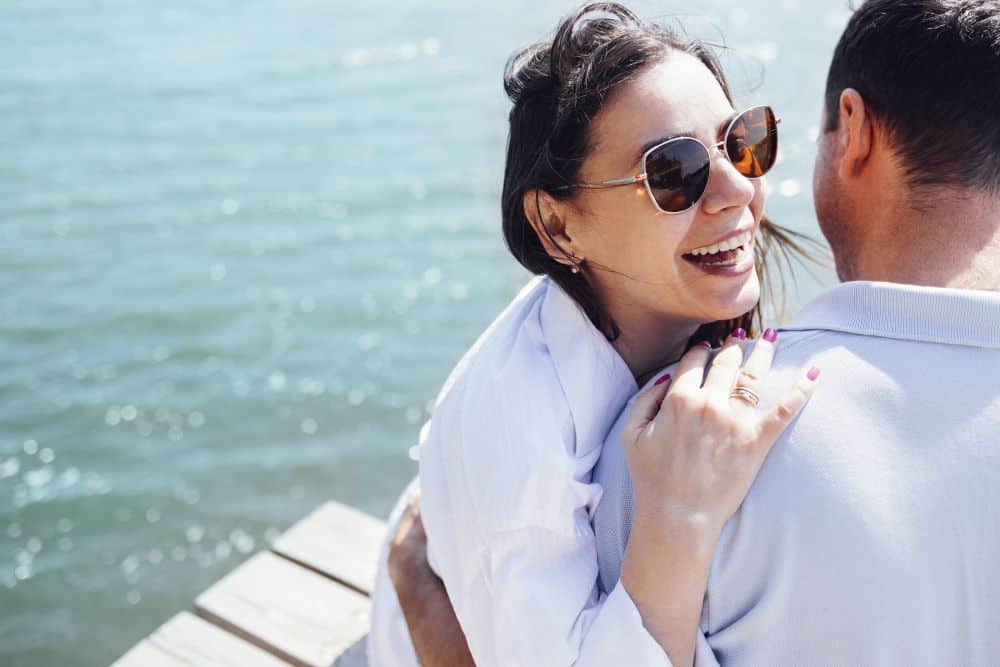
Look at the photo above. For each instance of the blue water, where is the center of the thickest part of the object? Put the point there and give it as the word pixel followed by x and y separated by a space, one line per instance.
pixel 241 246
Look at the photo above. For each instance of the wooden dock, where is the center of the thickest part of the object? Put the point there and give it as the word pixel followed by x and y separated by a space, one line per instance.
pixel 304 602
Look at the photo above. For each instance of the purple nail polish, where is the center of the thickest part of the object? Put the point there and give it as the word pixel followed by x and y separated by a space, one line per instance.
pixel 813 374
pixel 770 335
pixel 740 334
pixel 705 344
pixel 665 378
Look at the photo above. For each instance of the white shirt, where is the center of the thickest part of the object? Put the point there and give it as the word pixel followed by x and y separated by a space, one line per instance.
pixel 507 499
pixel 871 535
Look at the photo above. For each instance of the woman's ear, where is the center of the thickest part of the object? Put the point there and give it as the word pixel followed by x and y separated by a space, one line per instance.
pixel 548 220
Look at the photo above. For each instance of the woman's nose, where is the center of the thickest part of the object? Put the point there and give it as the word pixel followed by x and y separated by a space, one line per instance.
pixel 727 187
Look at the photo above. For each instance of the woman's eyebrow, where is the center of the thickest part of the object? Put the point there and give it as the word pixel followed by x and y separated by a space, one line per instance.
pixel 667 137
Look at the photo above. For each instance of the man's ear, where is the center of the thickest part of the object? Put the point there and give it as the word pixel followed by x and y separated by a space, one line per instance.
pixel 548 220
pixel 857 134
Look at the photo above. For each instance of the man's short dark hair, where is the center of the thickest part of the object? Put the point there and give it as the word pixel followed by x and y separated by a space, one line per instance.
pixel 929 70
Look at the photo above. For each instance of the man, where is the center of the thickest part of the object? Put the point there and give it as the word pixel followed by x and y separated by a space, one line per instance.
pixel 871 532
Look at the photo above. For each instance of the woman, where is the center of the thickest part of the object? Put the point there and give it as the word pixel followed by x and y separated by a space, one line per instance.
pixel 633 190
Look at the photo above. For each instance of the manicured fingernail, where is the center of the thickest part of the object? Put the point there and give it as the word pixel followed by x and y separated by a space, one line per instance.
pixel 740 334
pixel 813 374
pixel 665 378
pixel 705 344
pixel 770 335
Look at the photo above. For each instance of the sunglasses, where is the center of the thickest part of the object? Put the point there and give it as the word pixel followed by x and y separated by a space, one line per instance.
pixel 676 172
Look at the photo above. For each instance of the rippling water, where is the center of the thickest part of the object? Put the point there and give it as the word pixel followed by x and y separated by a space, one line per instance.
pixel 241 246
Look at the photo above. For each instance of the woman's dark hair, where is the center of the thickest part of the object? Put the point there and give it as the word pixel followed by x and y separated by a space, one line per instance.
pixel 558 86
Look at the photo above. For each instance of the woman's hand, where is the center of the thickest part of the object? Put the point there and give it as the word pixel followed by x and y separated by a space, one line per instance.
pixel 407 559
pixel 430 618
pixel 693 450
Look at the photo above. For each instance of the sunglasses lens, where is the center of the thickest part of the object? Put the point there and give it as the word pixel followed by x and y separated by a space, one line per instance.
pixel 677 174
pixel 752 142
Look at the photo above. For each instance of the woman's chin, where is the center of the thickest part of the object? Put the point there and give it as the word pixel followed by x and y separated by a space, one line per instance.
pixel 732 301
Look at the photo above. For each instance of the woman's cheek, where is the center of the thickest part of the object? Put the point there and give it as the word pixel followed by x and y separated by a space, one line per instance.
pixel 759 200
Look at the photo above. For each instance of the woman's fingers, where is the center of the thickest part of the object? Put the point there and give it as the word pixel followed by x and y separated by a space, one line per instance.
pixel 691 368
pixel 782 414
pixel 755 370
pixel 646 406
pixel 725 366
pixel 759 364
pixel 410 526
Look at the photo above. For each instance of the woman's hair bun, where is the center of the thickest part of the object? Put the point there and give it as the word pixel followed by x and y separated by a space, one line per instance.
pixel 548 65
pixel 528 72
pixel 590 28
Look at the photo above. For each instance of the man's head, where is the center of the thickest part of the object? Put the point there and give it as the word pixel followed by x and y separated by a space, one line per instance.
pixel 911 124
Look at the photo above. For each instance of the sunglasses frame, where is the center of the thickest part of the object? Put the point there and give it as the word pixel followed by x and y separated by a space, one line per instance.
pixel 643 176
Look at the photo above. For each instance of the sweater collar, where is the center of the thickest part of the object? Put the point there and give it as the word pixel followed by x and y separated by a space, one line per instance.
pixel 906 312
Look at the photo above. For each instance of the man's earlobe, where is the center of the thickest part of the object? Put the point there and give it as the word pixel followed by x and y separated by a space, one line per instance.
pixel 549 225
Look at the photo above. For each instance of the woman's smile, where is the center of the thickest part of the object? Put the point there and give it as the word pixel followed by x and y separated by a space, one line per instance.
pixel 731 256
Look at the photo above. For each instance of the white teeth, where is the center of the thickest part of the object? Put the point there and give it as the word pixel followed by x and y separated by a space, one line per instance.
pixel 729 244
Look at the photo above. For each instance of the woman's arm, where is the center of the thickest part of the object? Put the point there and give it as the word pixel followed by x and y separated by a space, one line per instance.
pixel 437 637
pixel 665 570
pixel 527 594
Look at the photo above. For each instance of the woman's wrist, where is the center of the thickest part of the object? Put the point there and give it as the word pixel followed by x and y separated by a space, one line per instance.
pixel 697 531
pixel 665 573
pixel 665 551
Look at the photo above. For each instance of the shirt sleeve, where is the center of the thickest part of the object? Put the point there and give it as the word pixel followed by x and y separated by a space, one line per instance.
pixel 618 605
pixel 511 537
pixel 510 534
pixel 545 607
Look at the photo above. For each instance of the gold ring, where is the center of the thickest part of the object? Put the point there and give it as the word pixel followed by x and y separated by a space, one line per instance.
pixel 745 394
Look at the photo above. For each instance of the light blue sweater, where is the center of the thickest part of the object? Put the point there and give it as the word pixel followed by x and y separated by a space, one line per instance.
pixel 872 533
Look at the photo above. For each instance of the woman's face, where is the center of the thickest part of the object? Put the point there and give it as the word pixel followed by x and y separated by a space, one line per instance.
pixel 621 229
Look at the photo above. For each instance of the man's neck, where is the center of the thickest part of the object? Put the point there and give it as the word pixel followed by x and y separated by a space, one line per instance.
pixel 953 243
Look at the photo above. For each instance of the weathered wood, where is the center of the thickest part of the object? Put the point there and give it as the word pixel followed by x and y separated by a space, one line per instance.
pixel 305 604
pixel 186 640
pixel 337 541
pixel 292 612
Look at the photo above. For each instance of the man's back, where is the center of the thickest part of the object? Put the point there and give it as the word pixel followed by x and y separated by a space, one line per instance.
pixel 872 531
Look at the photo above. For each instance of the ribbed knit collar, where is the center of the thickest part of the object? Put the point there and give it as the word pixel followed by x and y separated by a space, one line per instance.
pixel 908 312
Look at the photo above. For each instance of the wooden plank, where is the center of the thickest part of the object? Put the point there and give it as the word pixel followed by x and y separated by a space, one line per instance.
pixel 337 541
pixel 294 613
pixel 186 640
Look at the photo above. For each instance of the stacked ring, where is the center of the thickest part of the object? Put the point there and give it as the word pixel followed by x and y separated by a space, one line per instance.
pixel 745 394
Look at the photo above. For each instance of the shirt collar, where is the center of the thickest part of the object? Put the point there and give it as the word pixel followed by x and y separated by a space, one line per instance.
pixel 906 312
pixel 595 379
